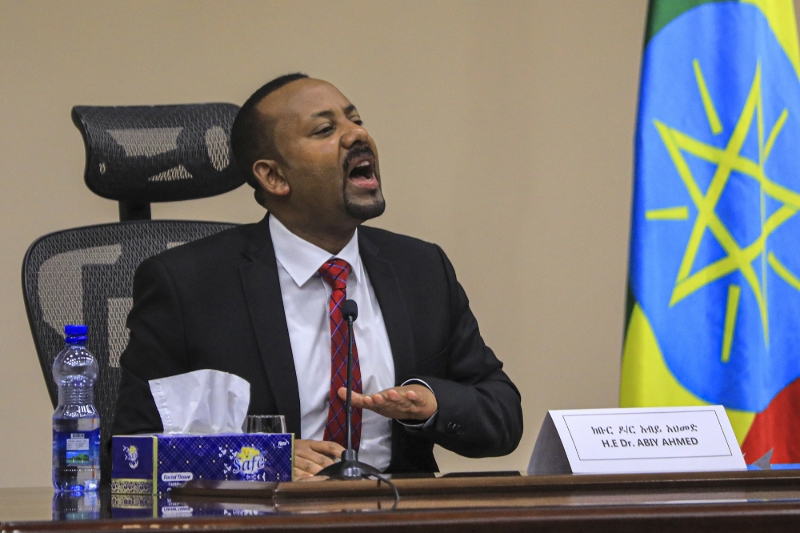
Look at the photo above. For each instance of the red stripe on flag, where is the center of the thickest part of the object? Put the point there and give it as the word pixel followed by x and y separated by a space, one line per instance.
pixel 776 428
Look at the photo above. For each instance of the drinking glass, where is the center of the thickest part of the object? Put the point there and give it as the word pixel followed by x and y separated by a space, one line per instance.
pixel 265 424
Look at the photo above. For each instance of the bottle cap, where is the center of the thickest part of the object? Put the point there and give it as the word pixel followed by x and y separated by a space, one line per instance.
pixel 75 329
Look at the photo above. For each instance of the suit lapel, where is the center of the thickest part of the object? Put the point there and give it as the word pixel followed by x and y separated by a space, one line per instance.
pixel 395 315
pixel 259 272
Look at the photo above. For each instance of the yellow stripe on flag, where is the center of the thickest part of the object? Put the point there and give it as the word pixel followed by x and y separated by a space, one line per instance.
pixel 780 16
pixel 648 382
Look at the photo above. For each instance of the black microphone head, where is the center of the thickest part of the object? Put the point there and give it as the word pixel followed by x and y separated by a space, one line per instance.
pixel 350 309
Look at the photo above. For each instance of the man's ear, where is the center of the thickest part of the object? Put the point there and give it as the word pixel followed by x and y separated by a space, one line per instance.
pixel 269 176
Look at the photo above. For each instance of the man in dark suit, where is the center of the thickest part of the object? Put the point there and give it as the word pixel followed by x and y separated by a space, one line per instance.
pixel 259 301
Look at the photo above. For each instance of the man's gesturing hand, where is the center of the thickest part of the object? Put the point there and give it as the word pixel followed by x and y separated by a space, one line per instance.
pixel 413 401
pixel 311 456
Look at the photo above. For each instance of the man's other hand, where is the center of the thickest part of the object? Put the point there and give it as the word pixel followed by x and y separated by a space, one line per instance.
pixel 409 402
pixel 311 456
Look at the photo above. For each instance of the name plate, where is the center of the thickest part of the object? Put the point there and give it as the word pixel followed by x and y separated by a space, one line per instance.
pixel 617 441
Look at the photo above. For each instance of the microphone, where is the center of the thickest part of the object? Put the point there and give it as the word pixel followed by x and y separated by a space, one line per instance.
pixel 349 467
pixel 350 313
pixel 350 310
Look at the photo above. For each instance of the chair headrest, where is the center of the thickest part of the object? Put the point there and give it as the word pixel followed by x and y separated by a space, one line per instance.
pixel 158 153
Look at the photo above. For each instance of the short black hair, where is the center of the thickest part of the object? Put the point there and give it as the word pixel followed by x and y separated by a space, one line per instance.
pixel 250 140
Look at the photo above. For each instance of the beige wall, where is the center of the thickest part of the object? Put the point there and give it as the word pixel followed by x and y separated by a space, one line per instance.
pixel 505 133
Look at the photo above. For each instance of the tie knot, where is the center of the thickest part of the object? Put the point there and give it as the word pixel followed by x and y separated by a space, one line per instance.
pixel 335 272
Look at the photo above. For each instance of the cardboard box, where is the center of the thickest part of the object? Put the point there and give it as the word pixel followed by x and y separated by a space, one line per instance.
pixel 152 464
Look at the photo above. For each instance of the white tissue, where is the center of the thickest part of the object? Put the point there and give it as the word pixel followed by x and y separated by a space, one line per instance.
pixel 201 402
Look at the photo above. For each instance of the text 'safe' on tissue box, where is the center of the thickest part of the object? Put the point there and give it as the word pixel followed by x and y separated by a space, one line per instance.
pixel 151 464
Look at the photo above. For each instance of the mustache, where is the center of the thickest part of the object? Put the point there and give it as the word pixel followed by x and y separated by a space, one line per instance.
pixel 357 151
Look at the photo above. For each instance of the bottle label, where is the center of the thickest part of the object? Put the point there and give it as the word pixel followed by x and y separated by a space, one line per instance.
pixel 77 442
pixel 78 448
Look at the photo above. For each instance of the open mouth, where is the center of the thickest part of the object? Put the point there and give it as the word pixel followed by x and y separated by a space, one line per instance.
pixel 361 172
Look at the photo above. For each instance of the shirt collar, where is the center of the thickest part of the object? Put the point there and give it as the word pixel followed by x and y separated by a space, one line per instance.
pixel 302 260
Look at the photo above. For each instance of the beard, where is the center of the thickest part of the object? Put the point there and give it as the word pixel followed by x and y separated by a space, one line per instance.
pixel 365 210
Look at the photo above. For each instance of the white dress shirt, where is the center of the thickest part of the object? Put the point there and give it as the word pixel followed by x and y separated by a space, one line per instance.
pixel 305 301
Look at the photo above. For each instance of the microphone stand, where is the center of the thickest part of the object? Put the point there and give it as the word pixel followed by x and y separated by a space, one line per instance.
pixel 349 468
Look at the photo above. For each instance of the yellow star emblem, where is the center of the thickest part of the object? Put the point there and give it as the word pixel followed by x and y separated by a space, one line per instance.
pixel 728 159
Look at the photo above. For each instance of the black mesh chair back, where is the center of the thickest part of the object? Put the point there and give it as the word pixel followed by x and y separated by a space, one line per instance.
pixel 85 276
pixel 142 154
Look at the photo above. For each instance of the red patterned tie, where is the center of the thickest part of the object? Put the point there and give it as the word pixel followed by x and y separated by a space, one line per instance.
pixel 335 272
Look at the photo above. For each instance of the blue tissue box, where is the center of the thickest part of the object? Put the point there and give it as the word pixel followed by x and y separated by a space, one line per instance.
pixel 152 464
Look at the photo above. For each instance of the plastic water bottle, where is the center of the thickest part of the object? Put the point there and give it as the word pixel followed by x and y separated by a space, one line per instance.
pixel 76 506
pixel 76 424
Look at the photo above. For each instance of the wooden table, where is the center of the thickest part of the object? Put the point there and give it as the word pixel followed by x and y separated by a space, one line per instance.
pixel 723 501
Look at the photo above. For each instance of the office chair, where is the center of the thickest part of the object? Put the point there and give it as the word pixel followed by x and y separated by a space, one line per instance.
pixel 135 155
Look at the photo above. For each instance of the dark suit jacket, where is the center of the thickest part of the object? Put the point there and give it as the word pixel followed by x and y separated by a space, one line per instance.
pixel 216 303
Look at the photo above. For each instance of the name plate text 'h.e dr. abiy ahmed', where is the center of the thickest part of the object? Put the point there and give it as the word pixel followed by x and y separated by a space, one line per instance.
pixel 615 441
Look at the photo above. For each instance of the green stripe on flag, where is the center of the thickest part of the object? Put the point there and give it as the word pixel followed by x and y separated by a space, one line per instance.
pixel 661 13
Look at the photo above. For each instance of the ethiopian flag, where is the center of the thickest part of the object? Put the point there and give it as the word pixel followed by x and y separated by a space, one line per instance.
pixel 714 290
